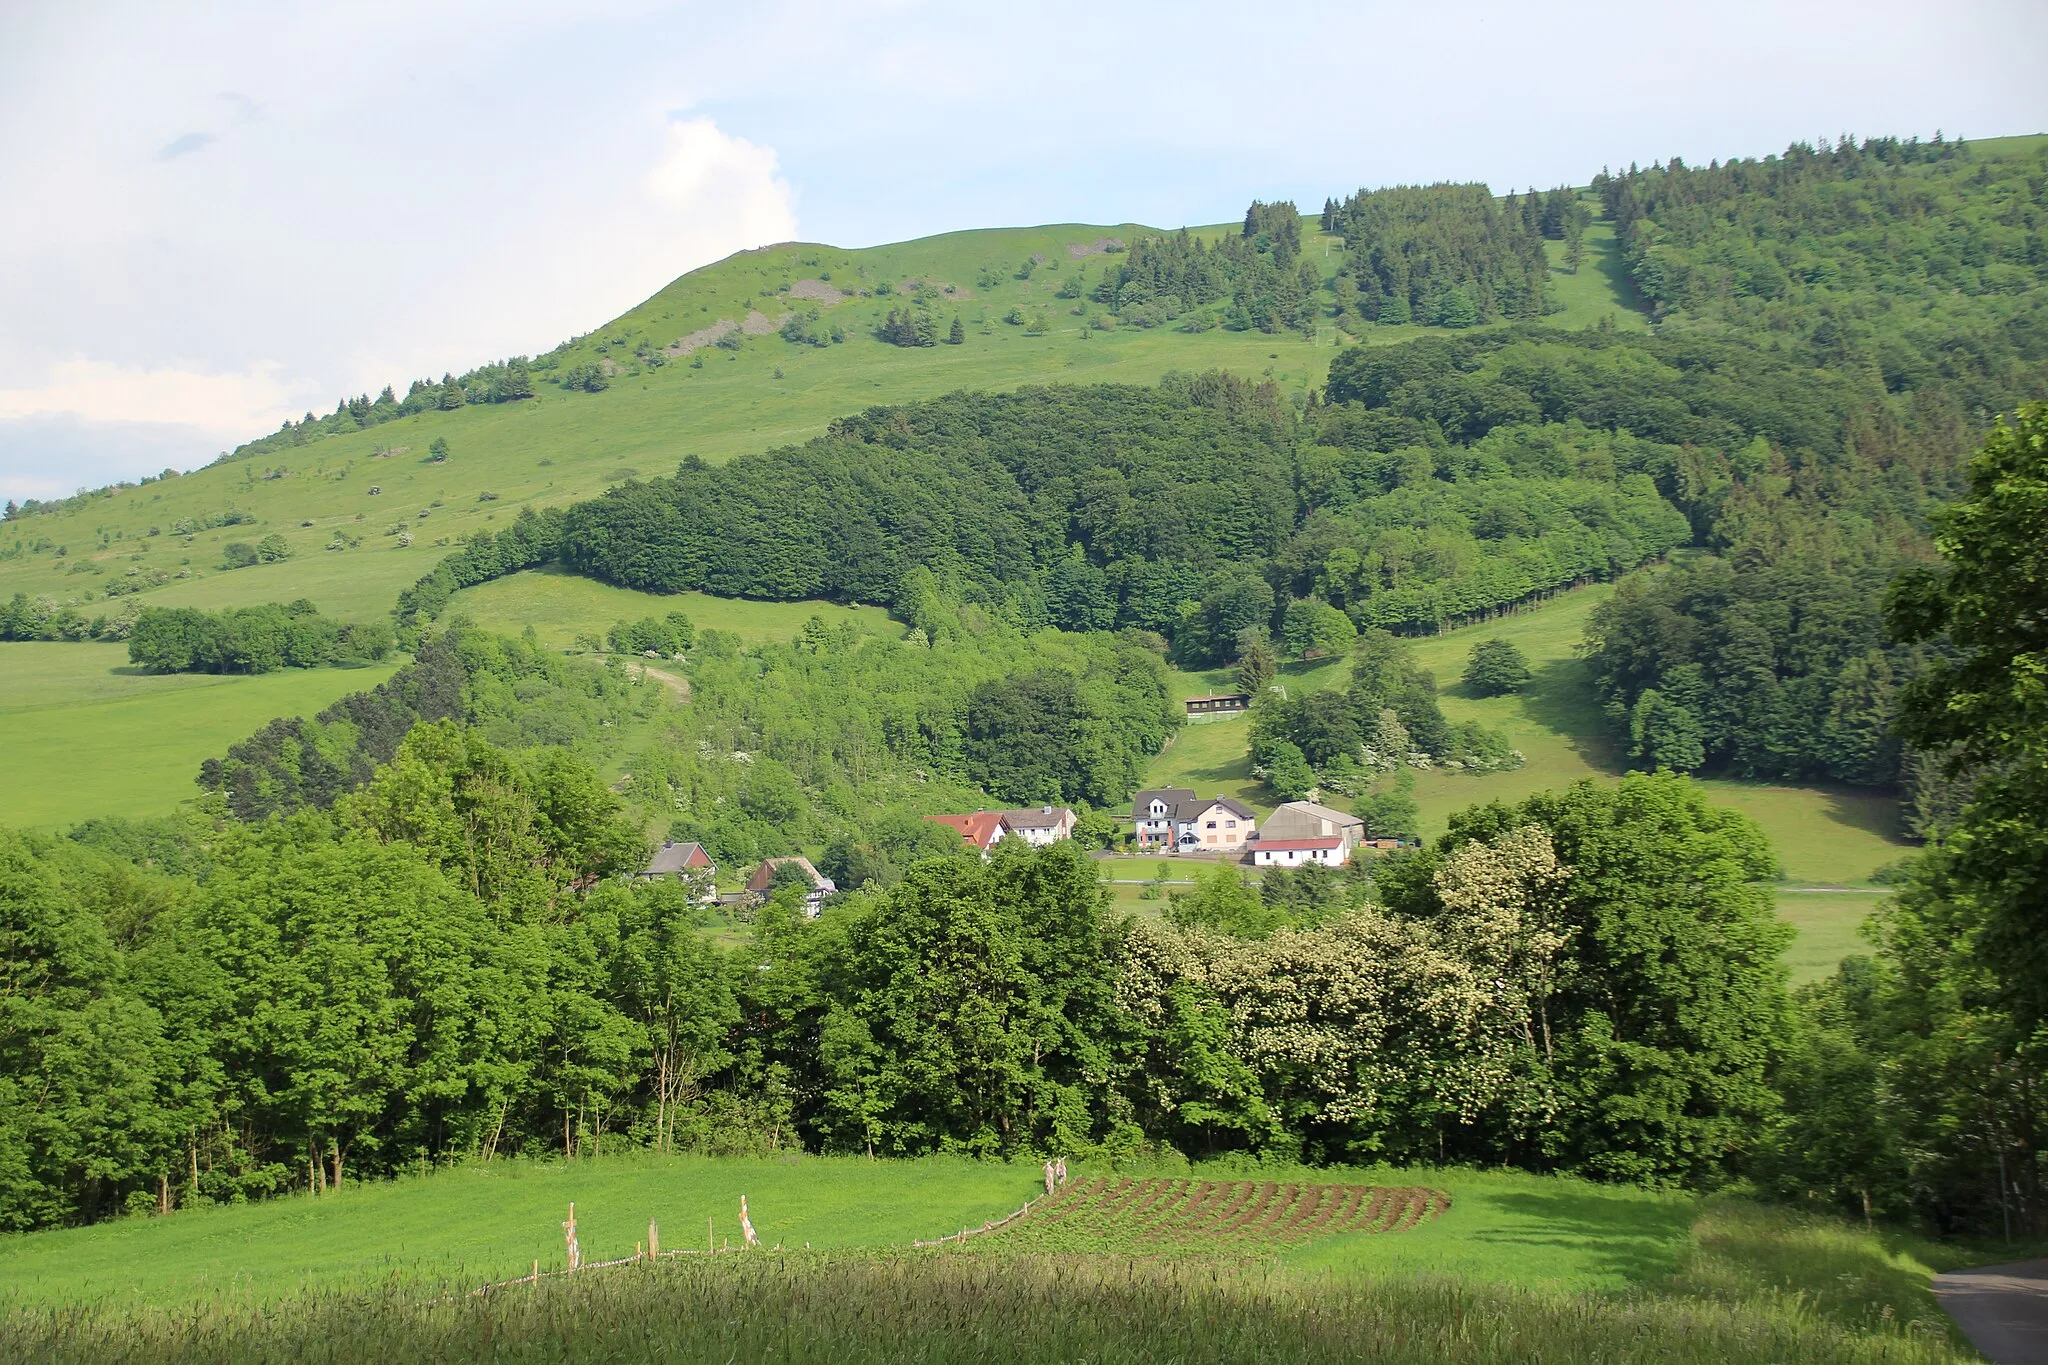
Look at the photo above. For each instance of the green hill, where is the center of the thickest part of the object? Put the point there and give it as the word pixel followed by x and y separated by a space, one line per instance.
pixel 561 446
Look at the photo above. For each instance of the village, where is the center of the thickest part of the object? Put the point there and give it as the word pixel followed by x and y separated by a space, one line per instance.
pixel 1172 821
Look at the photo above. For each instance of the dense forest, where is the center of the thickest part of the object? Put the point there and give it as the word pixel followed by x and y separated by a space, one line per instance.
pixel 1193 509
pixel 1253 279
pixel 1442 255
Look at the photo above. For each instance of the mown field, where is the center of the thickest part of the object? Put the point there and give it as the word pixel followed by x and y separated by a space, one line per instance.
pixel 1529 1267
pixel 84 733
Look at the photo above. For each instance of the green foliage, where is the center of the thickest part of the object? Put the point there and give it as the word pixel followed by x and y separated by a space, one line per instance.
pixel 1668 1001
pixel 1940 1042
pixel 1495 668
pixel 251 639
pixel 664 635
pixel 1769 669
pixel 1257 278
pixel 1449 255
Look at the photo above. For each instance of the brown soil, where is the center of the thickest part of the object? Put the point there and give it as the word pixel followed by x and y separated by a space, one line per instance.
pixel 1101 246
pixel 702 337
pixel 759 324
pixel 817 291
pixel 679 688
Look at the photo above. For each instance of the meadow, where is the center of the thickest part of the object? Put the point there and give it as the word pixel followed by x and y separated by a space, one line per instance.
pixel 1507 1266
pixel 85 733
pixel 562 607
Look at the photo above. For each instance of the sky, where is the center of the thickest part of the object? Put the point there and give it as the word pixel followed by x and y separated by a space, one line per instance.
pixel 218 216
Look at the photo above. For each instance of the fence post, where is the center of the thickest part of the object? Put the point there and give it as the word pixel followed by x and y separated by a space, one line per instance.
pixel 569 1235
pixel 653 1239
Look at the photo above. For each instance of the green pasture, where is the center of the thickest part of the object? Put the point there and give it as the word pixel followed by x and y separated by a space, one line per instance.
pixel 84 733
pixel 1829 925
pixel 562 606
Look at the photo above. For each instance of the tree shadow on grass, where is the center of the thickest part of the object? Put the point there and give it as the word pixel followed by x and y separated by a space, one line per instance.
pixel 1637 1241
pixel 1560 698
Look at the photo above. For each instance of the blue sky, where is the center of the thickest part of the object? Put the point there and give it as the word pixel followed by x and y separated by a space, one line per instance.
pixel 222 215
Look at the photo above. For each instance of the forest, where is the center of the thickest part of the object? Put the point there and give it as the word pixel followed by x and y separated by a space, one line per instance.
pixel 1443 255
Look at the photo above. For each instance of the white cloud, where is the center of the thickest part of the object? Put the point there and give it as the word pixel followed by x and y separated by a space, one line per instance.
pixel 236 405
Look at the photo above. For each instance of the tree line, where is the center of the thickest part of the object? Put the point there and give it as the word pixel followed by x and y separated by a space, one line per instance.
pixel 252 639
pixel 447 966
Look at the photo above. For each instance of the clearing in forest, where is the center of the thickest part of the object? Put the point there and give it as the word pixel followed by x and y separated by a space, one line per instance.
pixel 1208 1217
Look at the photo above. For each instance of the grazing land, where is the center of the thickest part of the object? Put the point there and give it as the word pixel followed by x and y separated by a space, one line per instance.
pixel 86 733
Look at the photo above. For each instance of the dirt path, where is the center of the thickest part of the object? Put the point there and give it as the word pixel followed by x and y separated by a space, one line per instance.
pixel 678 687
pixel 2003 1309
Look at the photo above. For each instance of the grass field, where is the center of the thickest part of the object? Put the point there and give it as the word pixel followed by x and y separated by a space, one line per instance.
pixel 86 734
pixel 1528 1267
pixel 561 606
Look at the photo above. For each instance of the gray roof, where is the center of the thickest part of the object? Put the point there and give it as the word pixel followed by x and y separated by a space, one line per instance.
pixel 1172 796
pixel 1314 811
pixel 1234 806
pixel 1038 817
pixel 674 858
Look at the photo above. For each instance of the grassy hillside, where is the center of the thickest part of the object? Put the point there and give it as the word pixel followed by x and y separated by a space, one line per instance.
pixel 704 400
pixel 1579 1264
pixel 563 606
pixel 86 734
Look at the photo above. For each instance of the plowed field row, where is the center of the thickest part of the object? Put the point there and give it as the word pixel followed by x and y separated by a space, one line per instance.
pixel 1177 1217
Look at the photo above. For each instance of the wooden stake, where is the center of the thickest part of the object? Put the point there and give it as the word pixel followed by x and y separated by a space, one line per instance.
pixel 569 1235
pixel 653 1239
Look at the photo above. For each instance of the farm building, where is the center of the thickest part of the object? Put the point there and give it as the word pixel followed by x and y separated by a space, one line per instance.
pixel 814 900
pixel 1330 850
pixel 1040 825
pixel 687 861
pixel 1307 820
pixel 1220 704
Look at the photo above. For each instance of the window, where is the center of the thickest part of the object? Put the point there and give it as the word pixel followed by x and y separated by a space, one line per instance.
pixel 1210 825
pixel 1230 824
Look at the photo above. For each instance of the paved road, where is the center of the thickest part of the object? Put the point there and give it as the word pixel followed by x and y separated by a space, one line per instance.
pixel 2003 1309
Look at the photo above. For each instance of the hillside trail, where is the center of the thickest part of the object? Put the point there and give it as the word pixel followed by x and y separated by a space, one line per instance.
pixel 2003 1309
pixel 679 687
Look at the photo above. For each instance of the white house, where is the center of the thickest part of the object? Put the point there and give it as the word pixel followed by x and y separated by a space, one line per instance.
pixel 1330 850
pixel 814 899
pixel 1040 826
pixel 1175 820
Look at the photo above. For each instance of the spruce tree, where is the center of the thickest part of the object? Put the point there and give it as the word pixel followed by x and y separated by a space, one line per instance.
pixel 957 334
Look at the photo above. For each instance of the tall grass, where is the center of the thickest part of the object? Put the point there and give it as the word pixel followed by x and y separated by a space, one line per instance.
pixel 930 1308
